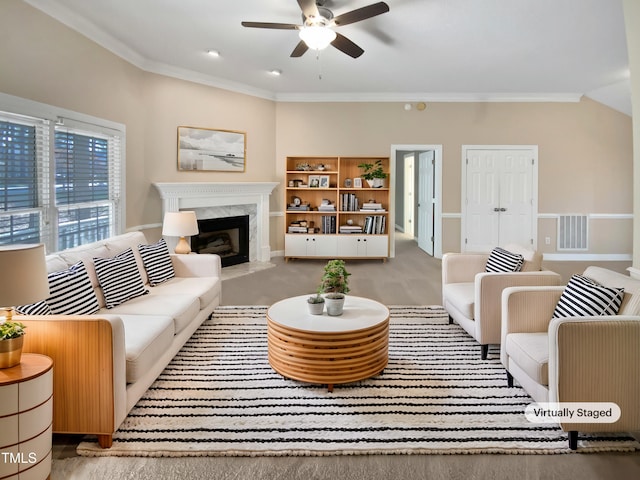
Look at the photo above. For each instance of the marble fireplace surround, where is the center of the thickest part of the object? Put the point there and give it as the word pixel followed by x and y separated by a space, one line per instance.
pixel 225 199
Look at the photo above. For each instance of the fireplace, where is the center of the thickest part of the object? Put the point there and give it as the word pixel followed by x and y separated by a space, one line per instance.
pixel 227 237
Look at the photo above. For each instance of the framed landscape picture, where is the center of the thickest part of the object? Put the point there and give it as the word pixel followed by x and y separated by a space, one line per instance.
pixel 206 149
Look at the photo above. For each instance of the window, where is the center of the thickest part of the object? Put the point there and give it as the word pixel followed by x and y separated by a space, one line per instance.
pixel 86 186
pixel 60 181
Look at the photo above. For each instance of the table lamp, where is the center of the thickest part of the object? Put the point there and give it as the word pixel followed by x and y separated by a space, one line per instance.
pixel 24 276
pixel 23 281
pixel 180 224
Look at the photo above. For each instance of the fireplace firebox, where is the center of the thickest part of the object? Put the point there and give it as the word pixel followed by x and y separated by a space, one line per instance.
pixel 227 237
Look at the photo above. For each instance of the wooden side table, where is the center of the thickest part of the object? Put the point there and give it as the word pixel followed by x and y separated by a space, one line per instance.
pixel 26 417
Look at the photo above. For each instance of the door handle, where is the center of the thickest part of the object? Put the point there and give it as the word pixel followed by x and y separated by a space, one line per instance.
pixel 503 209
pixel 496 209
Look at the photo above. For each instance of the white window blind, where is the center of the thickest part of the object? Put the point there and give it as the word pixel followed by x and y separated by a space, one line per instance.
pixel 60 181
pixel 24 179
pixel 87 185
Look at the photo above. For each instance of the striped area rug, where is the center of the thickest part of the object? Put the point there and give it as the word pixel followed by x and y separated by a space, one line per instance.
pixel 219 396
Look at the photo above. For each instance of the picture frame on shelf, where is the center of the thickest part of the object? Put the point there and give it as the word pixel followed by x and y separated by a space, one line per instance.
pixel 207 149
pixel 314 181
pixel 357 182
pixel 324 181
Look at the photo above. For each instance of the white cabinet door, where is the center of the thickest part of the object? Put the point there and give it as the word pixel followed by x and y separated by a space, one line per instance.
pixel 378 246
pixel 363 246
pixel 300 245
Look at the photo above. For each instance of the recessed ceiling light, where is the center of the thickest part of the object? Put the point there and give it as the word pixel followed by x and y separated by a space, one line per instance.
pixel 275 72
pixel 213 53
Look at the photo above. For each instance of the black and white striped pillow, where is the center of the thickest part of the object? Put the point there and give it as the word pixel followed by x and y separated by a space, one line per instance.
pixel 501 260
pixel 119 278
pixel 157 262
pixel 582 297
pixel 71 292
pixel 38 308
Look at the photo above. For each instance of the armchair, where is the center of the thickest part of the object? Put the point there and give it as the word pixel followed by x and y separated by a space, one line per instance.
pixel 575 359
pixel 472 297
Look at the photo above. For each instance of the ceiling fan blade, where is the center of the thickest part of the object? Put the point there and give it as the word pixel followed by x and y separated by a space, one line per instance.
pixel 345 45
pixel 361 14
pixel 300 49
pixel 278 26
pixel 309 8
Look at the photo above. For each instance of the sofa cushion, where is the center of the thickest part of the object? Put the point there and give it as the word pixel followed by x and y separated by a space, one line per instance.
pixel 146 339
pixel 38 308
pixel 530 351
pixel 532 259
pixel 157 262
pixel 583 296
pixel 70 292
pixel 205 288
pixel 501 260
pixel 181 308
pixel 461 296
pixel 631 302
pixel 120 243
pixel 119 278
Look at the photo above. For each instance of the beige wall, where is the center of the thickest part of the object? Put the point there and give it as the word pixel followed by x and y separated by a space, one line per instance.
pixel 632 26
pixel 585 152
pixel 585 148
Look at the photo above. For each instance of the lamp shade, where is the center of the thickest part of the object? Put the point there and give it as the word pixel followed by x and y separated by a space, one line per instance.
pixel 24 275
pixel 317 37
pixel 180 224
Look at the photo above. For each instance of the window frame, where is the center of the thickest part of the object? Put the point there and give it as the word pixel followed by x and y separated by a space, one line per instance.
pixel 58 119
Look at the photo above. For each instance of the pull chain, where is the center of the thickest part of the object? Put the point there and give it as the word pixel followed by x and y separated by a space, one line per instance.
pixel 319 64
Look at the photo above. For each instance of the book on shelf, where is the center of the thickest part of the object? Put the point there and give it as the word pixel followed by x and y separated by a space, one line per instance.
pixel 297 229
pixel 297 208
pixel 371 206
pixel 349 202
pixel 328 223
pixel 350 229
pixel 375 224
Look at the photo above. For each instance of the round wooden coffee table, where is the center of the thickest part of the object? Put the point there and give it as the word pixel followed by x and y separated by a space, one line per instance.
pixel 325 349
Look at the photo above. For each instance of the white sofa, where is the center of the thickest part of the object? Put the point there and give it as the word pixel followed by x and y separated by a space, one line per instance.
pixel 105 362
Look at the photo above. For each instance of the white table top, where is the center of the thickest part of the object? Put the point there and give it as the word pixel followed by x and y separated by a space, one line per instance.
pixel 359 313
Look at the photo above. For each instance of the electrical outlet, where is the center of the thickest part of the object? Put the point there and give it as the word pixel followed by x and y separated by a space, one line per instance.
pixel 547 240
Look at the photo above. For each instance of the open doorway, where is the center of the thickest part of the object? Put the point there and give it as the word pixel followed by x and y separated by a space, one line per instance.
pixel 418 194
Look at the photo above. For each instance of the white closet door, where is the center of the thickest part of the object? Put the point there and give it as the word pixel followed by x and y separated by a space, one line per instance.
pixel 499 203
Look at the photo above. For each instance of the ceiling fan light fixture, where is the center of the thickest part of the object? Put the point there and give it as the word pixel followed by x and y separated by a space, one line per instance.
pixel 317 37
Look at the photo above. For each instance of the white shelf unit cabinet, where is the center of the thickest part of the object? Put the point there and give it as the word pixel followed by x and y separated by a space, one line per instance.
pixel 312 181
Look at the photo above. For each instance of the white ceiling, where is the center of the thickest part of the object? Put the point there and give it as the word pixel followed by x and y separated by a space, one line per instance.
pixel 422 50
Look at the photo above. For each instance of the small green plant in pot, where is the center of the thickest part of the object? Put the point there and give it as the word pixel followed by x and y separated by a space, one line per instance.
pixel 11 338
pixel 374 173
pixel 316 303
pixel 335 284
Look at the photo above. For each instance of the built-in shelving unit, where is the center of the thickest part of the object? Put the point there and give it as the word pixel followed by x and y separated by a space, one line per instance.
pixel 332 212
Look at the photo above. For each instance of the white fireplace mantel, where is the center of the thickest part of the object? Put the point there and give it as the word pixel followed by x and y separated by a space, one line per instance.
pixel 192 195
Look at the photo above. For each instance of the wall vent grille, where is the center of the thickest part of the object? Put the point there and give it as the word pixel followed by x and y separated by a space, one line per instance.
pixel 573 232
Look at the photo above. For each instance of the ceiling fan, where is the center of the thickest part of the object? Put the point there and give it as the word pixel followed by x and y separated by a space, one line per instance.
pixel 317 32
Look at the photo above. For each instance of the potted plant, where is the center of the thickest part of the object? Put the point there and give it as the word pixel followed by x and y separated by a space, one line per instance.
pixel 374 174
pixel 11 339
pixel 335 285
pixel 316 303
